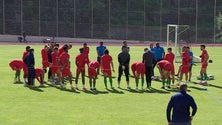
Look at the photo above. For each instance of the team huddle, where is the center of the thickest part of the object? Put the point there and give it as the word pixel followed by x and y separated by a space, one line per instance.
pixel 57 60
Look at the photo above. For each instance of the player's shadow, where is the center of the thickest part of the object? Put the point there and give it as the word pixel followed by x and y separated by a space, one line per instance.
pixel 132 90
pixel 66 90
pixel 35 89
pixel 197 88
pixel 17 82
pixel 172 89
pixel 154 90
pixel 211 85
pixel 99 92
pixel 115 91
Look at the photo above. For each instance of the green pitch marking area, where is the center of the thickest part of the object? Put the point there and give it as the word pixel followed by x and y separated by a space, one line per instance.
pixel 53 105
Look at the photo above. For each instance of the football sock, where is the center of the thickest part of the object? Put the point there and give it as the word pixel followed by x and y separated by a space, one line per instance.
pixel 205 76
pixel 142 82
pixel 163 81
pixel 137 82
pixel 202 77
pixel 105 81
pixel 168 82
pixel 94 85
pixel 16 74
pixel 111 82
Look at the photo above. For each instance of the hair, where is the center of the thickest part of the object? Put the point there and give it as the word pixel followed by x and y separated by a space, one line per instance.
pixel 55 48
pixel 124 42
pixel 145 49
pixel 57 44
pixel 188 47
pixel 106 51
pixel 27 48
pixel 183 87
pixel 203 46
pixel 169 49
pixel 101 43
pixel 65 47
pixel 81 50
pixel 69 46
pixel 124 47
pixel 84 44
pixel 31 50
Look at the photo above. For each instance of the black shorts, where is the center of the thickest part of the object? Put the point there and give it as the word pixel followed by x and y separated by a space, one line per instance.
pixel 190 69
pixel 99 59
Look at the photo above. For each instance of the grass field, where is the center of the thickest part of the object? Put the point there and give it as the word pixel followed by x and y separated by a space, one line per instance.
pixel 50 105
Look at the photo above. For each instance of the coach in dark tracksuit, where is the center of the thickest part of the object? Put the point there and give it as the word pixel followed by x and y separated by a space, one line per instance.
pixel 148 59
pixel 30 62
pixel 123 59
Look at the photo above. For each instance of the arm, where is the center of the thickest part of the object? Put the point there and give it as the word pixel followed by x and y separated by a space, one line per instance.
pixel 194 107
pixel 168 111
pixel 112 66
pixel 160 71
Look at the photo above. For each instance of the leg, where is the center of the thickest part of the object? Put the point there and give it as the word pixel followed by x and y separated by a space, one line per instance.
pixel 126 71
pixel 120 71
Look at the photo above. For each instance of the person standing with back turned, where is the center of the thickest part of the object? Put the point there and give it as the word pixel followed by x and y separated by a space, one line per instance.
pixel 181 103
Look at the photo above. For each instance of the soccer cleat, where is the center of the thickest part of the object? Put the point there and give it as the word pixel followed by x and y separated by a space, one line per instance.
pixel 41 85
pixel 15 80
pixel 94 89
pixel 26 85
pixel 91 89
pixel 163 87
pixel 72 87
pixel 200 83
pixel 205 83
pixel 84 89
pixel 168 87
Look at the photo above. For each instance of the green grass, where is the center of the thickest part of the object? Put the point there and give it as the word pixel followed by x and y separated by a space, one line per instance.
pixel 50 105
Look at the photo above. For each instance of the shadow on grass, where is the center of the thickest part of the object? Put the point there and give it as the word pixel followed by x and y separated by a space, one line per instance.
pixel 115 91
pixel 17 82
pixel 132 90
pixel 197 88
pixel 154 90
pixel 211 85
pixel 35 89
pixel 67 90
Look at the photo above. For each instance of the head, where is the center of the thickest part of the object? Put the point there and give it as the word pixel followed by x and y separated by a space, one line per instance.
pixel 101 43
pixel 145 49
pixel 65 48
pixel 81 50
pixel 124 49
pixel 84 44
pixel 55 49
pixel 69 46
pixel 151 45
pixel 56 45
pixel 31 50
pixel 188 48
pixel 202 47
pixel 27 48
pixel 157 44
pixel 124 43
pixel 106 52
pixel 183 87
pixel 52 44
pixel 184 49
pixel 169 50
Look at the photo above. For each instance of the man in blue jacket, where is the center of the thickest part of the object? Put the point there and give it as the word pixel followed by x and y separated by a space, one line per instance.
pixel 181 103
pixel 30 62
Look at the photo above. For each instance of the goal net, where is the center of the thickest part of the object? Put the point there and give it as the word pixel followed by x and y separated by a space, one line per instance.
pixel 174 33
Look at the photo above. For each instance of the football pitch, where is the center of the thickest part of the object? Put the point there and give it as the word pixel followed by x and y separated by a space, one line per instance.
pixel 53 105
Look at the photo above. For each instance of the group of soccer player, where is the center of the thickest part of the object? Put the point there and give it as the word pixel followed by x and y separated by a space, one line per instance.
pixel 57 59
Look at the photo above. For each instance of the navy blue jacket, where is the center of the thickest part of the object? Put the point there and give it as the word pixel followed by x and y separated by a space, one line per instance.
pixel 30 60
pixel 181 103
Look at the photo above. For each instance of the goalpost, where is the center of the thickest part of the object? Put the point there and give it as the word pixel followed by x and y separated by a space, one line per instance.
pixel 173 36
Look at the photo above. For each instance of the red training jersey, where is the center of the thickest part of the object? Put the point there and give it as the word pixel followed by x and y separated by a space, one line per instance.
pixel 81 60
pixel 106 61
pixel 24 55
pixel 203 55
pixel 39 72
pixel 86 50
pixel 93 64
pixel 185 58
pixel 60 51
pixel 170 57
pixel 64 59
pixel 55 58
pixel 44 53
pixel 16 64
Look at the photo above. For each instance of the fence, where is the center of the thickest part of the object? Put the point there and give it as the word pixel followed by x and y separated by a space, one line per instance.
pixel 144 20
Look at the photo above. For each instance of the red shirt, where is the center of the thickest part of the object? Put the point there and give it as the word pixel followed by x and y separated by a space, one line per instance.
pixel 86 50
pixel 64 59
pixel 16 64
pixel 24 55
pixel 93 64
pixel 185 58
pixel 39 72
pixel 60 51
pixel 106 61
pixel 203 55
pixel 81 60
pixel 163 63
pixel 170 57
pixel 55 58
pixel 44 55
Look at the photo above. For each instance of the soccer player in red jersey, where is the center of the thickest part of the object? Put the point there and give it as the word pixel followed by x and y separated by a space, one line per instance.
pixel 39 72
pixel 204 63
pixel 17 66
pixel 61 50
pixel 65 66
pixel 80 62
pixel 106 64
pixel 55 67
pixel 165 68
pixel 86 50
pixel 45 62
pixel 92 73
pixel 170 57
pixel 25 68
pixel 185 64
pixel 138 69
